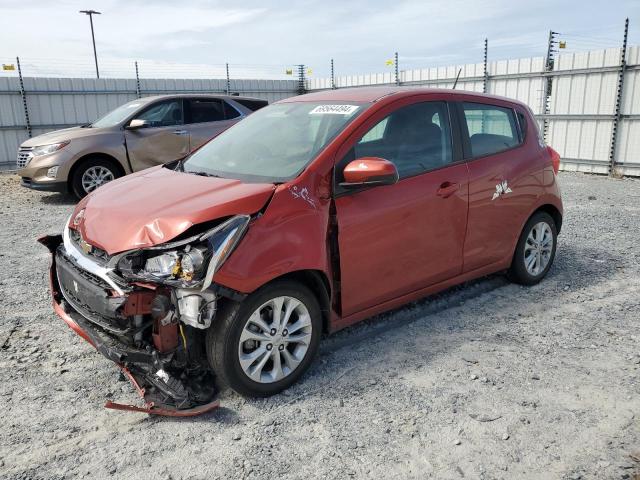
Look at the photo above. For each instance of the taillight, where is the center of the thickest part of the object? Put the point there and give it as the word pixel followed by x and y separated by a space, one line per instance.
pixel 555 159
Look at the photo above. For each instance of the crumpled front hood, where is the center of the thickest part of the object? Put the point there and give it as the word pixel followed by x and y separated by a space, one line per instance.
pixel 155 205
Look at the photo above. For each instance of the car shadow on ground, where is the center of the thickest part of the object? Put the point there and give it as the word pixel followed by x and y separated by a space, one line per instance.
pixel 59 199
pixel 573 268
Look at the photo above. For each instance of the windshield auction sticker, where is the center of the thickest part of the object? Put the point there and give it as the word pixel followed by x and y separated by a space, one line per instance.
pixel 333 110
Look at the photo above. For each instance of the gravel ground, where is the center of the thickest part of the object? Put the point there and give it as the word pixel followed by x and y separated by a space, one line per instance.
pixel 490 380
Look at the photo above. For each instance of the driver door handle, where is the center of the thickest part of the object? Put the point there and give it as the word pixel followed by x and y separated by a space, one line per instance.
pixel 180 132
pixel 447 189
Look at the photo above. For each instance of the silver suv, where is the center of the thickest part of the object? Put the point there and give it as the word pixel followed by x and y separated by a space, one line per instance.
pixel 137 135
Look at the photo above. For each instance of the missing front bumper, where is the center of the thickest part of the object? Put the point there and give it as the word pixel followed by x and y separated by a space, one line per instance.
pixel 162 395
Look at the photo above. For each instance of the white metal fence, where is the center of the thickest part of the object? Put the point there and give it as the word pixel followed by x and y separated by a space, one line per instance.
pixel 581 116
pixel 582 102
pixel 55 103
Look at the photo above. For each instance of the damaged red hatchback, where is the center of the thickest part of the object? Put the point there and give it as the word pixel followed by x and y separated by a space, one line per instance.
pixel 311 214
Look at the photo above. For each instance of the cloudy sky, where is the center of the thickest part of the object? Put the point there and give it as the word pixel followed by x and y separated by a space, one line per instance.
pixel 267 36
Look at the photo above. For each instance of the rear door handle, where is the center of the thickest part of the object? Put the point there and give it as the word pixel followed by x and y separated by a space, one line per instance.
pixel 447 189
pixel 180 132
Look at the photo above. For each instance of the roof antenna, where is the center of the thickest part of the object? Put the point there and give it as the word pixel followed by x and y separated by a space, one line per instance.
pixel 457 77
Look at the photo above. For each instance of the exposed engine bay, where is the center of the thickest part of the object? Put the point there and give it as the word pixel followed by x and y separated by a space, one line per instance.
pixel 147 310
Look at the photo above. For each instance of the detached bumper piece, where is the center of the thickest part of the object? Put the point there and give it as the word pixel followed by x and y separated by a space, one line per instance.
pixel 168 382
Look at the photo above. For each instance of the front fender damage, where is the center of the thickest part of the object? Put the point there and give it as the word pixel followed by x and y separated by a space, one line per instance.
pixel 169 381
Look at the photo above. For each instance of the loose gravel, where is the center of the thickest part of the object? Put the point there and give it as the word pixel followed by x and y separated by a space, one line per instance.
pixel 489 380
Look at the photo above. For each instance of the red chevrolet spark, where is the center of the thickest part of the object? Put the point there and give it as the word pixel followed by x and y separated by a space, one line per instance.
pixel 226 267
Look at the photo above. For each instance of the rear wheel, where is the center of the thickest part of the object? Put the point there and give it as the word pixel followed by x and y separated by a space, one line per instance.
pixel 535 251
pixel 91 174
pixel 263 345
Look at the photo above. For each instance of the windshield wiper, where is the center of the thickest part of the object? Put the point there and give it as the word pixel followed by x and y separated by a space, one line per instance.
pixel 86 125
pixel 202 174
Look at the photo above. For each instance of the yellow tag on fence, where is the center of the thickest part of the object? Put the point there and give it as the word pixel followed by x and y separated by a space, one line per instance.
pixel 11 66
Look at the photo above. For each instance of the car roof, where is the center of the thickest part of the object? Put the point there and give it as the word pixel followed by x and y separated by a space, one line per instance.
pixel 197 95
pixel 374 94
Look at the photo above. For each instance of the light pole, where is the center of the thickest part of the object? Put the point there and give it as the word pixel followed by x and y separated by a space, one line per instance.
pixel 93 38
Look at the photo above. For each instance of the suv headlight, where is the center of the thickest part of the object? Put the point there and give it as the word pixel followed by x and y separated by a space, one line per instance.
pixel 47 149
pixel 187 263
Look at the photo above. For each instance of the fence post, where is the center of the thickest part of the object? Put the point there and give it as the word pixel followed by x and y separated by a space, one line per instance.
pixel 138 93
pixel 549 83
pixel 395 62
pixel 618 108
pixel 485 75
pixel 228 80
pixel 302 88
pixel 333 78
pixel 23 94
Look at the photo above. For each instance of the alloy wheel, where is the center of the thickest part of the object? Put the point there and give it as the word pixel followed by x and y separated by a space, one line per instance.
pixel 95 177
pixel 538 248
pixel 275 339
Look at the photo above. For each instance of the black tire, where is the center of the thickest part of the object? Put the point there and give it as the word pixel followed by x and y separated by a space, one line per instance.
pixel 76 179
pixel 518 272
pixel 223 339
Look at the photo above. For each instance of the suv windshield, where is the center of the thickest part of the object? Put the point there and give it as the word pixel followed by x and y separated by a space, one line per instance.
pixel 114 117
pixel 273 144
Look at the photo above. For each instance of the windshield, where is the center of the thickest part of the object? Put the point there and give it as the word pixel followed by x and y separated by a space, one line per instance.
pixel 273 144
pixel 114 117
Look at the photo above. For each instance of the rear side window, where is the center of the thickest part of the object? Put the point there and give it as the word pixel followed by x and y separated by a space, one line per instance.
pixel 492 129
pixel 416 138
pixel 205 110
pixel 251 104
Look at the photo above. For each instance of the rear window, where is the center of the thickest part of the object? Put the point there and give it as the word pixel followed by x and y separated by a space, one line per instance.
pixel 251 104
pixel 492 129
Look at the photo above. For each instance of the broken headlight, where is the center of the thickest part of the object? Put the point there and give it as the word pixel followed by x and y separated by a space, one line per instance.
pixel 186 263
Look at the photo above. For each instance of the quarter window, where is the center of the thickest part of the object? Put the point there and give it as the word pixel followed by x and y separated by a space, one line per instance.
pixel 416 138
pixel 230 112
pixel 163 114
pixel 251 103
pixel 492 129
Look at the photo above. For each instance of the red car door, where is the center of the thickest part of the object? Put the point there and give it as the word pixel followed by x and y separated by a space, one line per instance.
pixel 502 181
pixel 399 238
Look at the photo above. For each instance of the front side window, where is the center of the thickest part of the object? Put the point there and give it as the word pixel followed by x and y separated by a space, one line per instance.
pixel 492 129
pixel 273 144
pixel 163 114
pixel 416 138
pixel 120 114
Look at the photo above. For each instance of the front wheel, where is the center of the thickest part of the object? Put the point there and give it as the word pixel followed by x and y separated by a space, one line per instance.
pixel 91 174
pixel 535 251
pixel 263 345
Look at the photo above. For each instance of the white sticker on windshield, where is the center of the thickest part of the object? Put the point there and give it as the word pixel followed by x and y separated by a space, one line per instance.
pixel 133 105
pixel 333 110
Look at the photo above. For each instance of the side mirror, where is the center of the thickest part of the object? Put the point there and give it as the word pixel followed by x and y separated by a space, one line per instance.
pixel 369 171
pixel 136 124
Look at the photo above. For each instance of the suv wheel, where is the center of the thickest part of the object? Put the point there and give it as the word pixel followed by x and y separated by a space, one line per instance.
pixel 535 251
pixel 91 174
pixel 263 345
